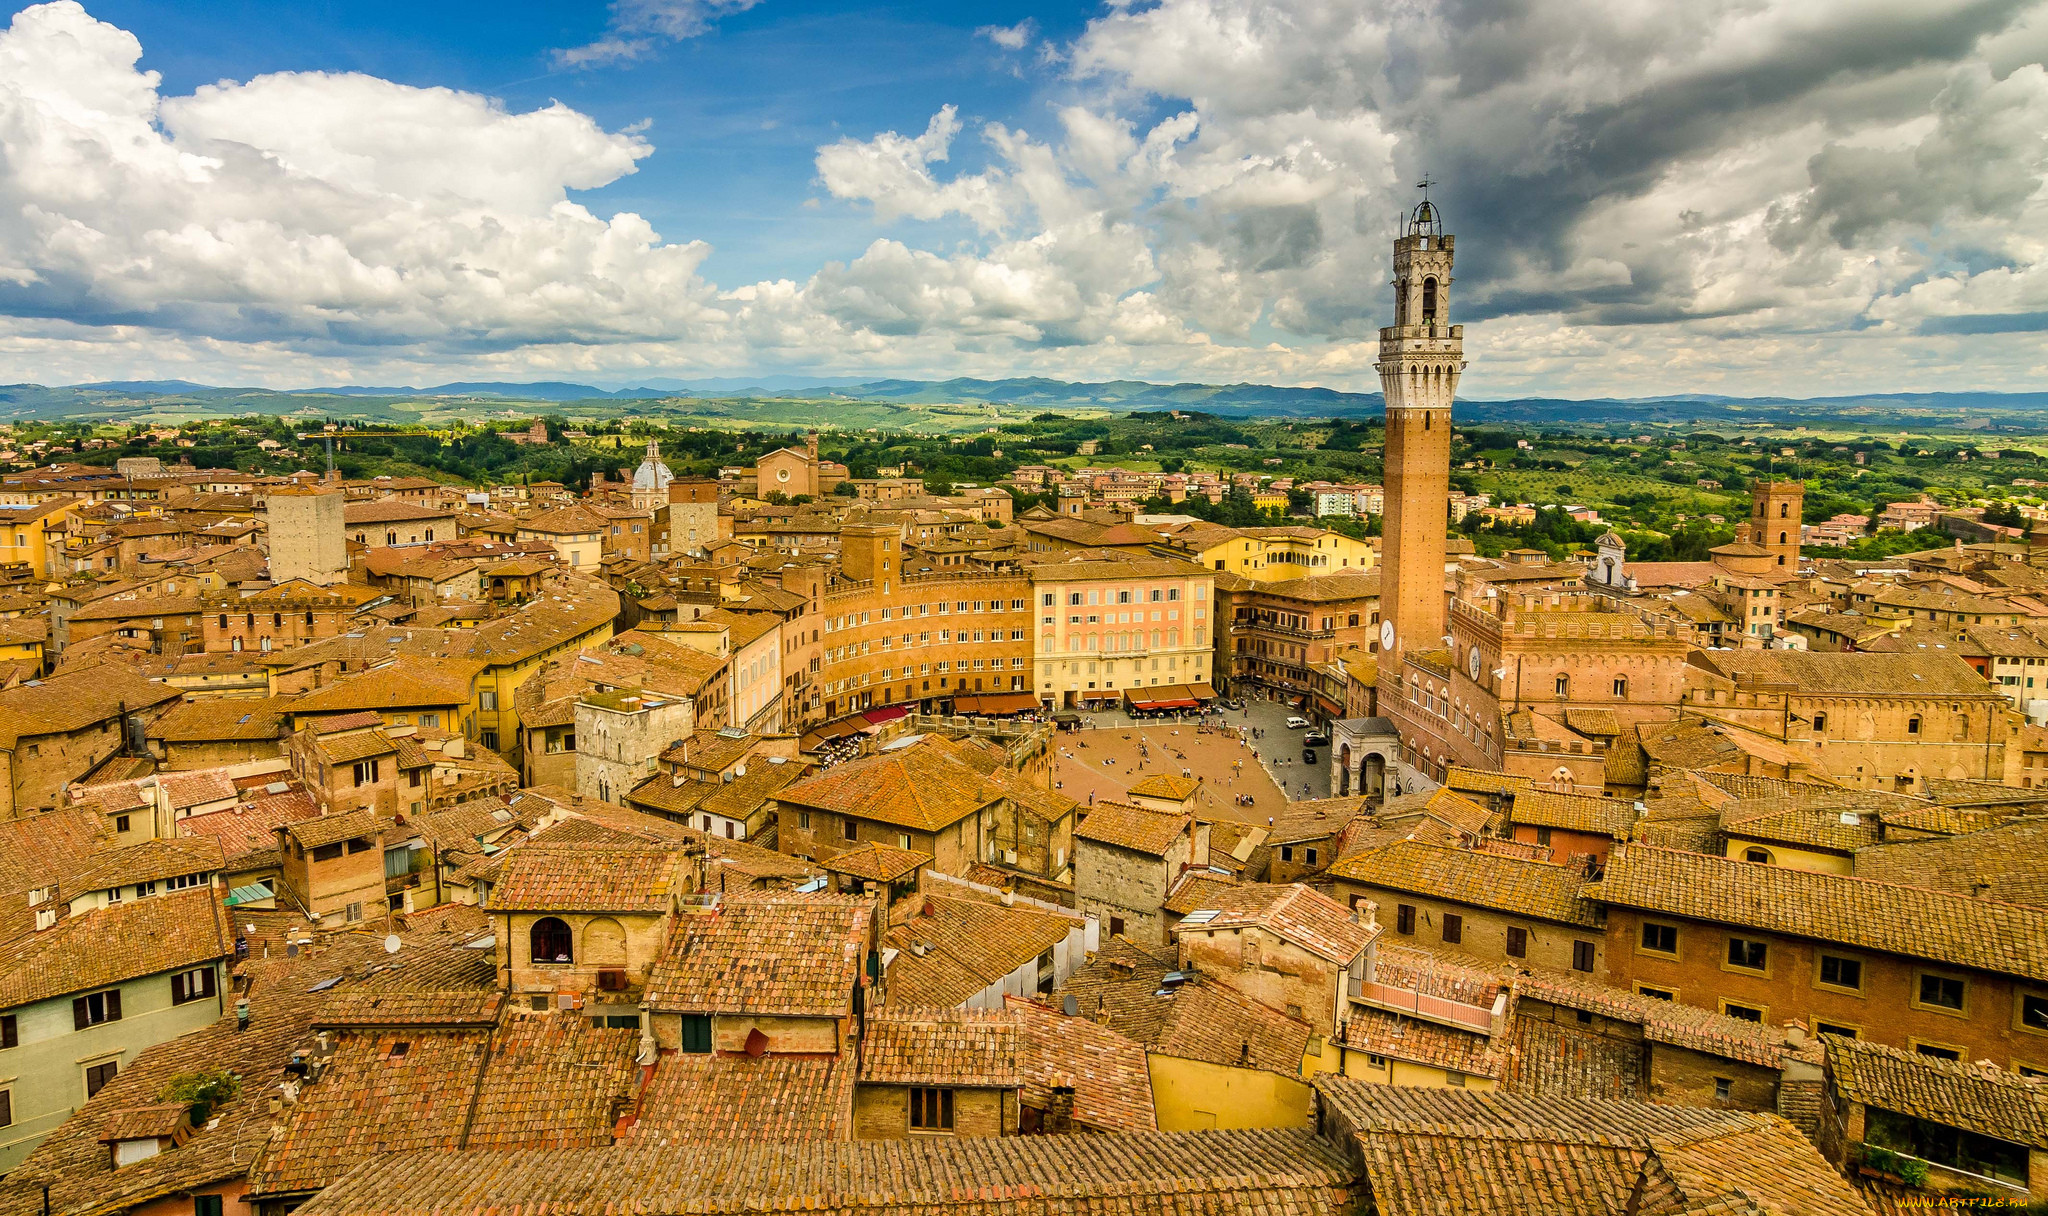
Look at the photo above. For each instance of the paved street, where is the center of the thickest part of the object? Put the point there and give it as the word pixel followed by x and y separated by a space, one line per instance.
pixel 1111 753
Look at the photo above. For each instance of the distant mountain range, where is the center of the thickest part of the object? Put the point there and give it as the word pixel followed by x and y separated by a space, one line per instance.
pixel 111 400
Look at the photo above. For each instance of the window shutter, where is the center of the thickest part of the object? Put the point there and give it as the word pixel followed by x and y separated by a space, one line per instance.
pixel 80 1019
pixel 114 1005
pixel 177 990
pixel 207 979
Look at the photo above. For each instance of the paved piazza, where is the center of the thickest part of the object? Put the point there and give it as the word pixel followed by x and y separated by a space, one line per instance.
pixel 1110 753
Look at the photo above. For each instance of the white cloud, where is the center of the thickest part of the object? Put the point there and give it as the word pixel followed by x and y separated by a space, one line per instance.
pixel 1743 195
pixel 638 27
pixel 1010 37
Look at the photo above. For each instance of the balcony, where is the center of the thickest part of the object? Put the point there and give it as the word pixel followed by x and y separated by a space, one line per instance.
pixel 1418 1005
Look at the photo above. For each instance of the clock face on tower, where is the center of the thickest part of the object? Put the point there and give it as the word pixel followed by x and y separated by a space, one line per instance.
pixel 1386 635
pixel 1472 663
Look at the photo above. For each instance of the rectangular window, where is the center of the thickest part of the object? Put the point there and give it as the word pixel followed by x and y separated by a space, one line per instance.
pixel 1582 956
pixel 2033 1013
pixel 1454 928
pixel 852 829
pixel 192 986
pixel 1941 992
pixel 1747 954
pixel 95 1008
pixel 97 1076
pixel 366 772
pixel 6 1108
pixel 696 1038
pixel 1404 918
pixel 1938 1051
pixel 1518 942
pixel 1835 1028
pixel 1839 972
pixel 1660 939
pixel 931 1109
pixel 10 1032
pixel 205 1205
pixel 1656 994
pixel 487 699
pixel 1748 1013
pixel 1116 926
pixel 1724 1089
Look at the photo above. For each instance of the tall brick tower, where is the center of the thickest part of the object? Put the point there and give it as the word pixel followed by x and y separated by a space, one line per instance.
pixel 1421 355
pixel 1774 510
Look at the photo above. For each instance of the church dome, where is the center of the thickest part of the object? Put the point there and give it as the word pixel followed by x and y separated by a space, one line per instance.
pixel 652 474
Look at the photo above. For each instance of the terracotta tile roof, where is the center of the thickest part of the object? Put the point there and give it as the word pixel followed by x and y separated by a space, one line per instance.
pixel 149 861
pixel 954 948
pixel 924 786
pixel 1124 986
pixel 544 877
pixel 359 1008
pixel 75 699
pixel 695 1098
pixel 1479 781
pixel 1192 889
pixel 1309 919
pixel 76 1165
pixel 382 1092
pixel 1107 1072
pixel 2007 863
pixel 1314 819
pixel 1979 1097
pixel 1482 880
pixel 207 721
pixel 1455 1152
pixel 152 1121
pixel 554 1081
pixel 1680 1025
pixel 1613 817
pixel 248 833
pixel 1915 922
pixel 328 829
pixel 361 745
pixel 1457 977
pixel 1124 826
pixel 1833 829
pixel 1384 1033
pixel 1166 786
pixel 876 862
pixel 1826 673
pixel 109 945
pixel 927 1045
pixel 791 956
pixel 1273 1172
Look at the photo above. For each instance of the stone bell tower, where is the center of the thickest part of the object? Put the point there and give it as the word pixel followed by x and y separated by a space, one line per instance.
pixel 1421 355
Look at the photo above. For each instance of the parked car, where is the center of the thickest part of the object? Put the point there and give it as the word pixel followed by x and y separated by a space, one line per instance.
pixel 1308 755
pixel 1297 723
pixel 1315 738
pixel 1233 703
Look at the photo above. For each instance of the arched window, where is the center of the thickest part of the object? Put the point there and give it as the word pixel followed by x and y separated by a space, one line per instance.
pixel 1782 537
pixel 552 941
pixel 1913 725
pixel 1820 724
pixel 223 620
pixel 1621 686
pixel 1784 509
pixel 1429 301
pixel 1563 685
pixel 1760 856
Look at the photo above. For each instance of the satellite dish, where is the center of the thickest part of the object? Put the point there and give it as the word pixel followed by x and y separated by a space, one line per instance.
pixel 391 943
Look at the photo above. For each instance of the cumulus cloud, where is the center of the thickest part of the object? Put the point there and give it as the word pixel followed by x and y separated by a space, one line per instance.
pixel 1798 196
pixel 638 27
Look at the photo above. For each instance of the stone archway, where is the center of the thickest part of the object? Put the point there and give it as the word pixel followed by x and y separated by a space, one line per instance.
pixel 1372 776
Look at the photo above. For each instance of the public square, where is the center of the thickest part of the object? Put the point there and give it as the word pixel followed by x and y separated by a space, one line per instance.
pixel 1111 753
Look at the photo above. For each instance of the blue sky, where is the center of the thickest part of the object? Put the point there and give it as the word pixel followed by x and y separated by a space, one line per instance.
pixel 736 115
pixel 1800 197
